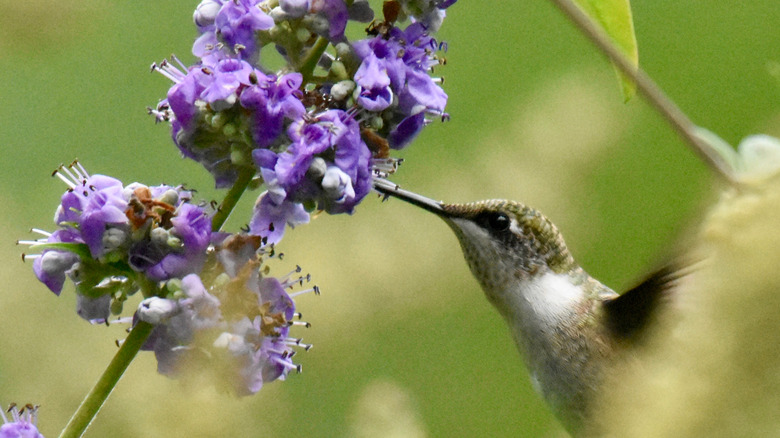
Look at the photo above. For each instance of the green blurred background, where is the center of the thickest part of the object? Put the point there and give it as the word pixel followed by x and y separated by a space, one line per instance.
pixel 405 343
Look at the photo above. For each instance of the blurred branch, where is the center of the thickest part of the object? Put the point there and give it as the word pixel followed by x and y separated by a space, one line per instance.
pixel 646 86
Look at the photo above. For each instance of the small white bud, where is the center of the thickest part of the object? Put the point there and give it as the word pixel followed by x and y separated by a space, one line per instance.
pixel 337 185
pixel 159 236
pixel 170 197
pixel 155 310
pixel 341 90
pixel 206 13
pixel 53 262
pixel 317 168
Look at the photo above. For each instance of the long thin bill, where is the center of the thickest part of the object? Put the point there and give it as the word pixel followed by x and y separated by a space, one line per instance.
pixel 388 189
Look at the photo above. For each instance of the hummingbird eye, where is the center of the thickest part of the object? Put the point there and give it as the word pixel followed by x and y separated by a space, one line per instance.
pixel 497 221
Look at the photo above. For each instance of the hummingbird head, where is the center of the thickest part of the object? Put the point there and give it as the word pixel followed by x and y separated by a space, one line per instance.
pixel 504 242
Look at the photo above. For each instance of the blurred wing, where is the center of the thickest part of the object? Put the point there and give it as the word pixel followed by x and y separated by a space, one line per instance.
pixel 630 313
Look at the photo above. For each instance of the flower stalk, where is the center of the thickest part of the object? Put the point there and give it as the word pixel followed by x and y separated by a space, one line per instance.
pixel 97 396
pixel 312 58
pixel 231 199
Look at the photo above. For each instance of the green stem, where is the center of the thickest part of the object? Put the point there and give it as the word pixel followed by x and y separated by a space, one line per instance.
pixel 312 58
pixel 654 94
pixel 231 199
pixel 89 408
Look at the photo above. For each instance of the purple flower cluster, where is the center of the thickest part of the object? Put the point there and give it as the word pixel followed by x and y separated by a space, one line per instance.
pixel 221 111
pixel 23 423
pixel 110 234
pixel 317 131
pixel 327 164
pixel 396 63
pixel 205 293
pixel 238 328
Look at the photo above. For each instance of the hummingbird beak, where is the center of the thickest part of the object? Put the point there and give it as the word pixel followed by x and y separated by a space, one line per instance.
pixel 388 189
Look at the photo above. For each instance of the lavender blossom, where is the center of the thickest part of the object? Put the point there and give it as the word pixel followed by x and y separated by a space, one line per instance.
pixel 229 25
pixel 94 203
pixel 270 217
pixel 428 12
pixel 315 139
pixel 52 266
pixel 376 93
pixel 202 107
pixel 234 324
pixel 334 15
pixel 273 101
pixel 111 236
pixel 259 343
pixel 207 107
pixel 178 321
pixel 397 63
pixel 23 423
pixel 326 166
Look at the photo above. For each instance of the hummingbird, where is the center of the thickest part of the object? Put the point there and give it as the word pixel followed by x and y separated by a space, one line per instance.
pixel 569 328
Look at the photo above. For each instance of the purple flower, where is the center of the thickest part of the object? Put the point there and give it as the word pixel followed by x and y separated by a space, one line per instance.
pixel 208 133
pixel 202 107
pixel 327 165
pixel 271 291
pixel 93 202
pixel 259 346
pixel 193 227
pixel 109 235
pixel 421 94
pixel 397 64
pixel 105 208
pixel 406 131
pixel 273 101
pixel 188 239
pixel 428 12
pixel 228 75
pixel 269 218
pixel 175 233
pixel 186 91
pixel 232 22
pixel 52 265
pixel 336 14
pixel 257 359
pixel 371 76
pixel 237 329
pixel 23 423
pixel 208 48
pixel 238 22
pixel 177 322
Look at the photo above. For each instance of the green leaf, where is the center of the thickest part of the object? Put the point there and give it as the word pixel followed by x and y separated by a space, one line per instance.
pixel 80 249
pixel 614 16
